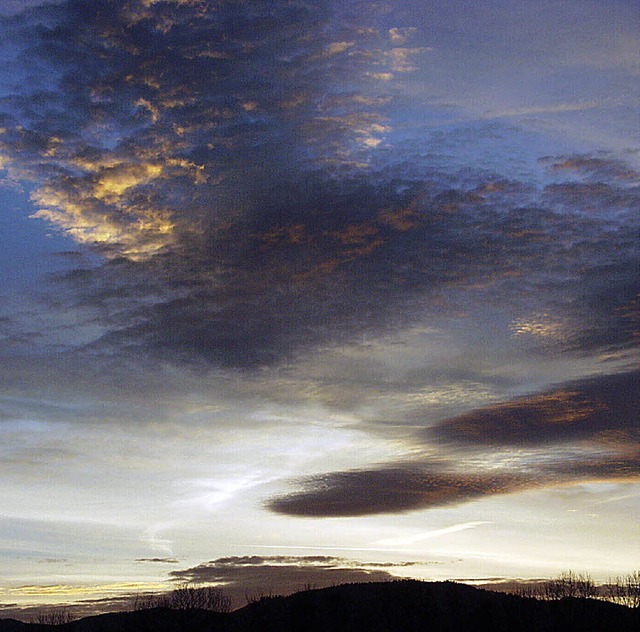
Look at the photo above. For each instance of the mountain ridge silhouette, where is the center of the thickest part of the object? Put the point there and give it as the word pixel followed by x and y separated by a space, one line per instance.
pixel 398 606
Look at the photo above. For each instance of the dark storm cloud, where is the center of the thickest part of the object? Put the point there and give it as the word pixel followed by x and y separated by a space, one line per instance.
pixel 312 266
pixel 590 431
pixel 234 164
pixel 325 260
pixel 600 408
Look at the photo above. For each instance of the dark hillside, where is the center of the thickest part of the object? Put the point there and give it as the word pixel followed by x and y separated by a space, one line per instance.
pixel 403 606
pixel 410 606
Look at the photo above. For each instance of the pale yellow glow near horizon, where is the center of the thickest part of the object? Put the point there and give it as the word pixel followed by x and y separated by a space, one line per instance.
pixel 30 595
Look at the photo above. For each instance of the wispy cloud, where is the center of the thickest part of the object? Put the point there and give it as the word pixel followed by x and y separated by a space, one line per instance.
pixel 428 535
pixel 550 109
pixel 602 409
pixel 158 560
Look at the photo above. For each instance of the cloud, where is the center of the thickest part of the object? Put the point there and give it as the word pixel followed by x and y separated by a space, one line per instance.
pixel 391 489
pixel 181 99
pixel 397 489
pixel 255 576
pixel 235 168
pixel 603 168
pixel 12 7
pixel 428 535
pixel 158 560
pixel 600 409
pixel 53 560
pixel 401 35
pixel 623 465
pixel 242 579
pixel 172 151
pixel 545 109
pixel 326 261
pixel 583 431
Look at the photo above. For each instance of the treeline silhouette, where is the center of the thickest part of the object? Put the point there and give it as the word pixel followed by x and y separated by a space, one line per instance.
pixel 623 590
pixel 400 606
pixel 186 597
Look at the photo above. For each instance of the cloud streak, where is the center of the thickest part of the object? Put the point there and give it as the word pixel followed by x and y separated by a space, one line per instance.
pixel 595 421
pixel 597 410
pixel 391 490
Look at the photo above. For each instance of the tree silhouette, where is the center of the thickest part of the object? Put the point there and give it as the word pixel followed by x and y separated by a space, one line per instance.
pixel 625 590
pixel 56 616
pixel 570 584
pixel 187 597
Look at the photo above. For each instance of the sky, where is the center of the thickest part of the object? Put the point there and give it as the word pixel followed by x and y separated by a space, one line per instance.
pixel 313 291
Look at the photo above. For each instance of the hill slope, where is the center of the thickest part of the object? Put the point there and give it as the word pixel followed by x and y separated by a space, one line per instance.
pixel 403 606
